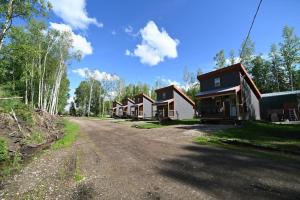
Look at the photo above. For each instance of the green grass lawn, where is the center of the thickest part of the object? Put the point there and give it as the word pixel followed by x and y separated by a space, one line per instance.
pixel 258 135
pixel 150 125
pixel 71 131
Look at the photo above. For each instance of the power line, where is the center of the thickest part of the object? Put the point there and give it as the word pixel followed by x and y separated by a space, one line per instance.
pixel 250 28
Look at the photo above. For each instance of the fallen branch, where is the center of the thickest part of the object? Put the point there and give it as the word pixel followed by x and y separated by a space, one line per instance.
pixel 6 98
pixel 14 115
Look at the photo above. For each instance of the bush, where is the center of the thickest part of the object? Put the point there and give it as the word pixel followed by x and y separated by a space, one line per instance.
pixel 3 150
pixel 35 138
pixel 23 112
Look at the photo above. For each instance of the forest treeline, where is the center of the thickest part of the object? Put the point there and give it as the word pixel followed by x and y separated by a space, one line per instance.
pixel 278 70
pixel 33 57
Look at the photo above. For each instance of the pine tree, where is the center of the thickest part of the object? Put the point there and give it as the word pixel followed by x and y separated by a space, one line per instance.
pixel 220 60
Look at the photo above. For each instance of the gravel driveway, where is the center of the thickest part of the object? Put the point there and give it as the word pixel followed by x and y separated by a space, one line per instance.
pixel 121 162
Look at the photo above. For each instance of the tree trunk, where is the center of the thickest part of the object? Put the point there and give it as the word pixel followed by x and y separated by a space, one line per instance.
pixel 90 98
pixel 7 23
pixel 55 91
pixel 26 85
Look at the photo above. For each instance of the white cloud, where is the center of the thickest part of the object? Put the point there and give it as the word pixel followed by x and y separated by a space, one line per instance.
pixel 113 32
pixel 156 45
pixel 236 60
pixel 80 43
pixel 96 74
pixel 73 12
pixel 166 82
pixel 128 53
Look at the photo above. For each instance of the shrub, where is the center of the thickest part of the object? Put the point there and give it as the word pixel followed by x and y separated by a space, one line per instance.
pixel 35 138
pixel 3 150
pixel 23 112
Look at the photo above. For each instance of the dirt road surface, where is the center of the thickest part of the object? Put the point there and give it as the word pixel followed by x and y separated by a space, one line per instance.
pixel 121 162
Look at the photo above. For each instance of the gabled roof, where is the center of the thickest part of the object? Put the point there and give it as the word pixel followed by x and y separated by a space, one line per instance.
pixel 118 103
pixel 128 99
pixel 179 91
pixel 145 96
pixel 219 92
pixel 232 68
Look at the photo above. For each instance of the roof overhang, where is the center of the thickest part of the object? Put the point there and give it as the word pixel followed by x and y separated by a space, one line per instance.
pixel 164 102
pixel 136 105
pixel 219 92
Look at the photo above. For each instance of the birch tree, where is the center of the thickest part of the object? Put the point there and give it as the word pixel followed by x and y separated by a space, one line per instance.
pixel 290 52
pixel 22 9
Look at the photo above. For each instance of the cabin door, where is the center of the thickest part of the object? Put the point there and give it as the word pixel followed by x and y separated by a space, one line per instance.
pixel 227 107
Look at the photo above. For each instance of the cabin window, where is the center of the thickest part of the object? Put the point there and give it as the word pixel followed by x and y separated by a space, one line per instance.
pixel 217 82
pixel 164 95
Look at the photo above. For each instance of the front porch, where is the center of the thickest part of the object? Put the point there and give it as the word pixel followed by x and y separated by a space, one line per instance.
pixel 137 111
pixel 114 112
pixel 221 106
pixel 164 109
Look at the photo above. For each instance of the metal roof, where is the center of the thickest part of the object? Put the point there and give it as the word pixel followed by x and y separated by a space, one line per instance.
pixel 219 91
pixel 280 93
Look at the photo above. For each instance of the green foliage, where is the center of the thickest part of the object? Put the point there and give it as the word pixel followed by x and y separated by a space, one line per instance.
pixel 220 59
pixel 35 138
pixel 260 74
pixel 290 53
pixel 23 112
pixel 279 71
pixel 72 110
pixel 11 165
pixel 246 53
pixel 3 150
pixel 71 131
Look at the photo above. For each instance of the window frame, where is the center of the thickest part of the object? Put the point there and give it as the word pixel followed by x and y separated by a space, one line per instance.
pixel 217 82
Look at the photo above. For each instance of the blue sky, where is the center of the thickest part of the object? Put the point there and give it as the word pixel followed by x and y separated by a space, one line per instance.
pixel 183 33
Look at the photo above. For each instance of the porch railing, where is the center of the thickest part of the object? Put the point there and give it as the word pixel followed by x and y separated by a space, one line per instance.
pixel 140 113
pixel 171 113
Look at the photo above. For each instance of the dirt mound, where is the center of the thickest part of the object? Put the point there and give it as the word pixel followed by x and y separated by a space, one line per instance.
pixel 25 136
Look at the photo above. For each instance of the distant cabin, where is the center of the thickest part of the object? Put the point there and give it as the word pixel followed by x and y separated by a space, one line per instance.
pixel 116 109
pixel 280 106
pixel 228 93
pixel 172 103
pixel 142 107
pixel 125 108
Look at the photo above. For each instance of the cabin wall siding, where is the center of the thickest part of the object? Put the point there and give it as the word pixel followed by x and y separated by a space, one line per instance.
pixel 147 108
pixel 118 110
pixel 252 102
pixel 228 79
pixel 169 94
pixel 129 104
pixel 183 109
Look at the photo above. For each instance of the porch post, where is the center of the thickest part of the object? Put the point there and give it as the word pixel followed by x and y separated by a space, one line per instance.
pixel 168 109
pixel 237 106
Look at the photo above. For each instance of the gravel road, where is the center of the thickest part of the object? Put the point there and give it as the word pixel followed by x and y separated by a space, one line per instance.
pixel 121 162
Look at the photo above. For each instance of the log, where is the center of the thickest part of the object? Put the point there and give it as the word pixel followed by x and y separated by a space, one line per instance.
pixel 6 98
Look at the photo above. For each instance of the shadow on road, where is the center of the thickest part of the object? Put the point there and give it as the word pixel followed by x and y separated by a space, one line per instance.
pixel 225 175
